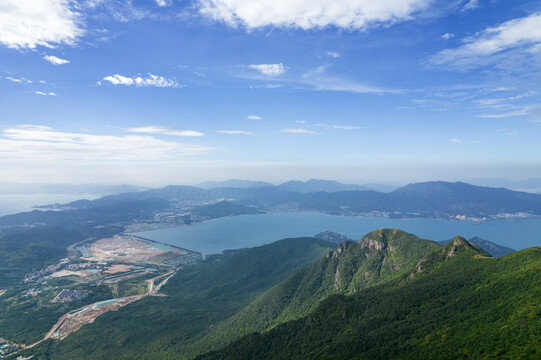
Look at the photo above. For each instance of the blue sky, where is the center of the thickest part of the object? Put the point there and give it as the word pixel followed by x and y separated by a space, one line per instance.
pixel 169 91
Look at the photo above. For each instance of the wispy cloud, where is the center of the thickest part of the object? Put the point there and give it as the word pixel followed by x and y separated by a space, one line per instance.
pixel 307 14
pixel 162 3
pixel 339 127
pixel 269 69
pixel 521 35
pixel 297 131
pixel 507 132
pixel 20 80
pixel 338 84
pixel 470 5
pixel 139 81
pixel 447 36
pixel 33 143
pixel 254 117
pixel 520 112
pixel 164 130
pixel 333 54
pixel 28 24
pixel 456 141
pixel 235 132
pixel 55 60
pixel 501 102
pixel 45 94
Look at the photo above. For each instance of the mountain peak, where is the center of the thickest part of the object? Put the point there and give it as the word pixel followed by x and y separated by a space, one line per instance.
pixel 459 244
pixel 381 238
pixel 332 236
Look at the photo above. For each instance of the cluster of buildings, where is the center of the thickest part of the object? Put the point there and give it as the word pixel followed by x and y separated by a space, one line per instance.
pixel 69 295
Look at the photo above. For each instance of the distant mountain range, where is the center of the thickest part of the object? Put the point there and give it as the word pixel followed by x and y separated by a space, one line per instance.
pixel 433 198
pixel 429 199
pixel 233 183
pixel 301 187
pixel 52 188
pixel 330 186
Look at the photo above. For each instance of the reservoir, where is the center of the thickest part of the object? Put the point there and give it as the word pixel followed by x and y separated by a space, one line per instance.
pixel 246 231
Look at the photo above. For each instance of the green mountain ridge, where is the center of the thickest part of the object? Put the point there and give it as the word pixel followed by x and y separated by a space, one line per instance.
pixel 379 256
pixel 456 303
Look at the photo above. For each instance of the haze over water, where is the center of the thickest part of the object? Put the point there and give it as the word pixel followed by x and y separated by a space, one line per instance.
pixel 254 230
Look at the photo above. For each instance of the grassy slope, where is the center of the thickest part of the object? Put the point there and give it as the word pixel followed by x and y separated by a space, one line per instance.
pixel 459 307
pixel 198 297
pixel 380 256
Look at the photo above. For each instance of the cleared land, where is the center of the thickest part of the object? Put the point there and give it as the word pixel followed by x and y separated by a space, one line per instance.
pixel 127 249
pixel 118 268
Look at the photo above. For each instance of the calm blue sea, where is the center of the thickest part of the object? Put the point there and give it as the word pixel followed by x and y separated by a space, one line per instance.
pixel 253 230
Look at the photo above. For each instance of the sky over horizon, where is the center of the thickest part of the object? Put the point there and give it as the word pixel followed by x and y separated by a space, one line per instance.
pixel 169 91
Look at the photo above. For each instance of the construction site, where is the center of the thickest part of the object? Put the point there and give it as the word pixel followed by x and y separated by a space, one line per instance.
pixel 131 267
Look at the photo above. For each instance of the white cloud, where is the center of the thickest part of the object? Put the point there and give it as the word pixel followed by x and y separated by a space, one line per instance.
pixel 254 117
pixel 165 130
pixel 470 5
pixel 235 132
pixel 333 54
pixel 150 80
pixel 447 36
pixel 27 24
pixel 456 141
pixel 507 132
pixel 320 69
pixel 269 69
pixel 19 80
pixel 300 121
pixel 339 127
pixel 520 35
pixel 309 14
pixel 266 86
pixel 502 102
pixel 162 3
pixel 43 93
pixel 33 144
pixel 336 84
pixel 55 60
pixel 520 112
pixel 297 131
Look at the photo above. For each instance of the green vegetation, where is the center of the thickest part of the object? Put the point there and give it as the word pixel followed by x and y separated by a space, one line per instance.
pixel 24 251
pixel 380 256
pixel 456 304
pixel 198 297
pixel 26 316
pixel 391 295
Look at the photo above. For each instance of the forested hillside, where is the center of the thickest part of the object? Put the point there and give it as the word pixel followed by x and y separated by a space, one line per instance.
pixel 455 304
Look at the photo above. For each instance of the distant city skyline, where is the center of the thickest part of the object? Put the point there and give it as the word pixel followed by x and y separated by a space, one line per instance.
pixel 178 92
